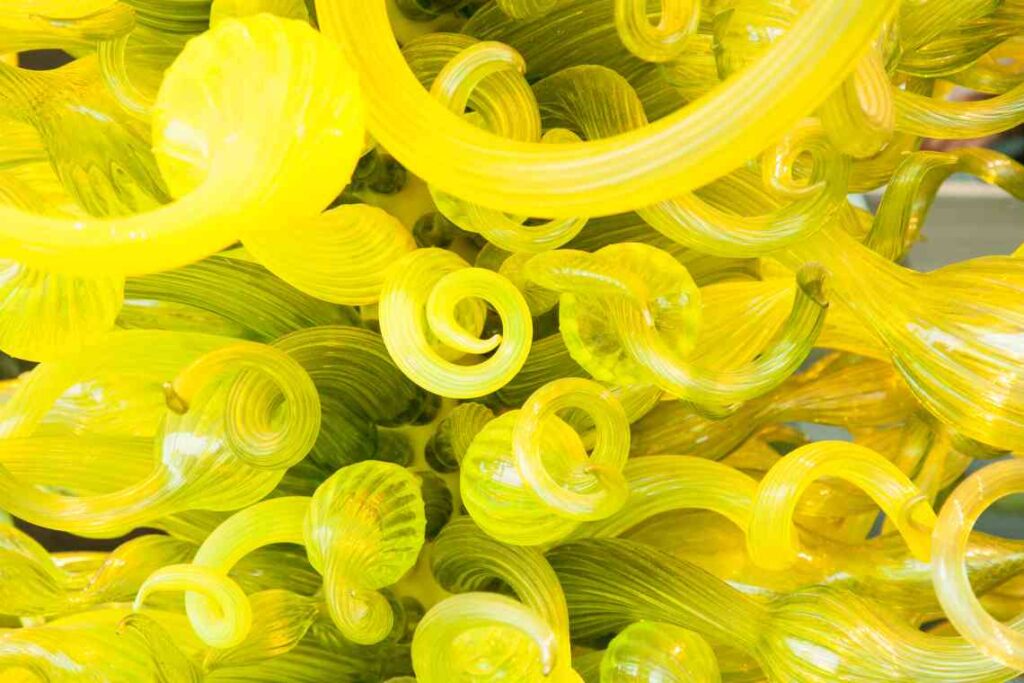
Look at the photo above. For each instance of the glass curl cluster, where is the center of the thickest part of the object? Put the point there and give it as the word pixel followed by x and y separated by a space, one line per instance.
pixel 465 341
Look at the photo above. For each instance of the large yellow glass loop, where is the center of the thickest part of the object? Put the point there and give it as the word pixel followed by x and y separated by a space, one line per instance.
pixel 1002 642
pixel 216 154
pixel 683 151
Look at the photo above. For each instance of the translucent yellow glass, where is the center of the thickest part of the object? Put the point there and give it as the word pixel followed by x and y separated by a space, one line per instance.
pixel 491 341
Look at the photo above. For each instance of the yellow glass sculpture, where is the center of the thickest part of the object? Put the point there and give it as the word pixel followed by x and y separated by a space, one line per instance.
pixel 362 530
pixel 970 386
pixel 846 392
pixel 207 148
pixel 492 341
pixel 205 445
pixel 205 151
pixel 572 180
pixel 68 24
pixel 642 318
pixel 445 316
pixel 1000 642
pixel 528 639
pixel 648 650
pixel 527 479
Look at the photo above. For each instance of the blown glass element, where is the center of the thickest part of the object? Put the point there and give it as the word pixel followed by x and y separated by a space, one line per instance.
pixel 508 341
pixel 362 530
pixel 526 478
pixel 960 363
pixel 642 317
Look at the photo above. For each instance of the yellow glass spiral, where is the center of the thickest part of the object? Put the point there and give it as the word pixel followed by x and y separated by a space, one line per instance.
pixel 526 478
pixel 444 315
pixel 362 530
pixel 499 341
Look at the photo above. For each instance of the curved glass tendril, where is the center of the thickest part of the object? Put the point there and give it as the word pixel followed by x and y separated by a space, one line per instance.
pixel 509 341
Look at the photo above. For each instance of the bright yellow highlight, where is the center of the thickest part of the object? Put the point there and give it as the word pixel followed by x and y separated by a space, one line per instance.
pixel 509 341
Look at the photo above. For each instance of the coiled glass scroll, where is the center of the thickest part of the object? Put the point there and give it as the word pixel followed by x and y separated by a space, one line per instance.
pixel 493 341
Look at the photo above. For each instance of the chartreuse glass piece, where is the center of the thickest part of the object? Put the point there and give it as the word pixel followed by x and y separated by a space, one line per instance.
pixel 650 650
pixel 54 313
pixel 959 370
pixel 203 445
pixel 527 637
pixel 94 642
pixel 227 296
pixel 1004 643
pixel 362 530
pixel 65 24
pixel 354 244
pixel 207 149
pixel 466 341
pixel 63 285
pixel 455 433
pixel 685 150
pixel 523 643
pixel 772 538
pixel 630 313
pixel 678 20
pixel 431 313
pixel 362 395
pixel 841 391
pixel 101 159
pixel 221 10
pixel 39 584
pixel 527 479
pixel 232 606
pixel 507 106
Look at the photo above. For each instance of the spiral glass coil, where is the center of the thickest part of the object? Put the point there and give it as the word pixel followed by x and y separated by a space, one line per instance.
pixel 492 341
